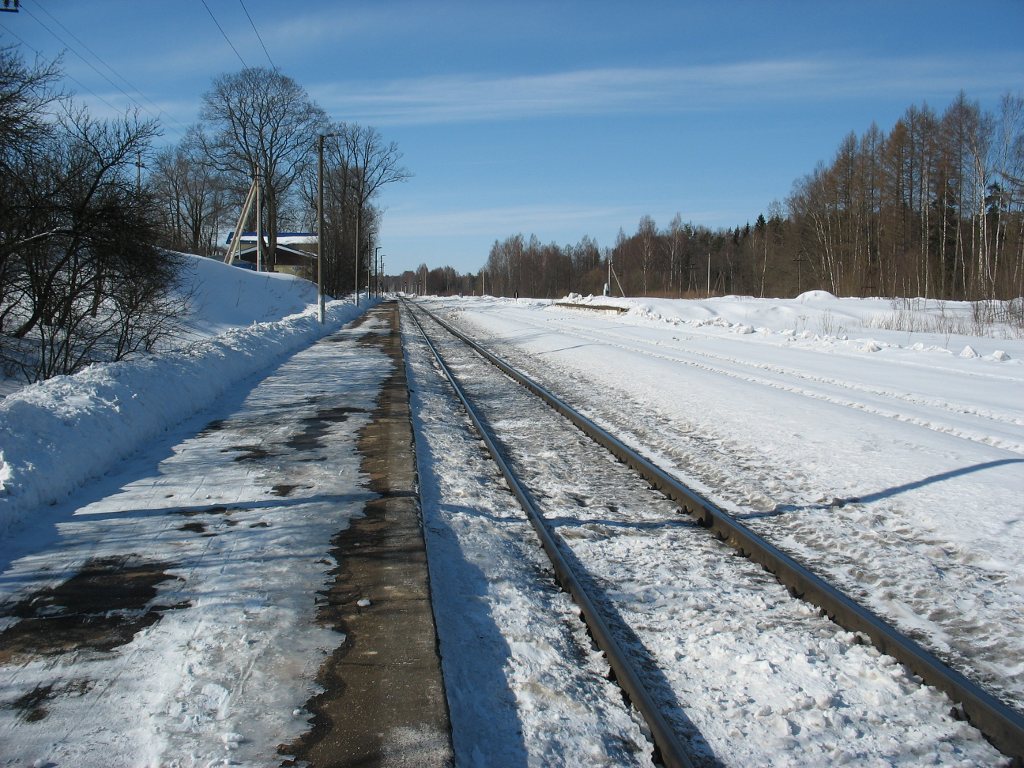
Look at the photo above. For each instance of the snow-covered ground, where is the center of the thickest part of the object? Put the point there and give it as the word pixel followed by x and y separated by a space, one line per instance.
pixel 159 480
pixel 57 434
pixel 745 674
pixel 880 443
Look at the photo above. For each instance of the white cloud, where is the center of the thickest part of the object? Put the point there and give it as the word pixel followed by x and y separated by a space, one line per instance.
pixel 471 98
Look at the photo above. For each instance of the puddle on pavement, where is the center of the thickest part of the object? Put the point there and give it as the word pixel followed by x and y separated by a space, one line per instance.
pixel 101 607
pixel 201 527
pixel 248 452
pixel 315 427
pixel 219 510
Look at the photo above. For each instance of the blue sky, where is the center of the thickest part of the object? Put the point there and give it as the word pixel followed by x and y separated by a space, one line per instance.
pixel 561 119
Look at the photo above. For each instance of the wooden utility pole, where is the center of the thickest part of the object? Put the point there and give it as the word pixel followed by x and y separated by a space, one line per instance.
pixel 799 260
pixel 236 237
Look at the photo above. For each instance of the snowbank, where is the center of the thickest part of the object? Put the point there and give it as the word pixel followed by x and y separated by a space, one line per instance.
pixel 57 434
pixel 921 325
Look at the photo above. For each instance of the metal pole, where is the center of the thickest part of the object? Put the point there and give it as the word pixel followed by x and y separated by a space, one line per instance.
pixel 259 221
pixel 376 270
pixel 359 215
pixel 320 228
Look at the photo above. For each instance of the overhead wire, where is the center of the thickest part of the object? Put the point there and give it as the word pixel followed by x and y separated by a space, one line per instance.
pixel 258 36
pixel 224 33
pixel 132 99
pixel 72 78
pixel 114 72
pixel 88 63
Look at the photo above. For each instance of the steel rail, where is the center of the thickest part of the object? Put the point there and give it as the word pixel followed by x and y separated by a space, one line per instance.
pixel 669 749
pixel 1002 725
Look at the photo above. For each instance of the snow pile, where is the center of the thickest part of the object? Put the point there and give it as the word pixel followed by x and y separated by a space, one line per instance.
pixel 59 433
pixel 223 297
pixel 818 317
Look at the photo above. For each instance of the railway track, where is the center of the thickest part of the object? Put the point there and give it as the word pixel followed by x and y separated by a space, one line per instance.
pixel 887 537
pixel 589 510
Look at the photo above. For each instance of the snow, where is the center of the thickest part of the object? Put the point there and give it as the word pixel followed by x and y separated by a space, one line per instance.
pixel 763 679
pixel 880 442
pixel 59 433
pixel 154 462
pixel 856 437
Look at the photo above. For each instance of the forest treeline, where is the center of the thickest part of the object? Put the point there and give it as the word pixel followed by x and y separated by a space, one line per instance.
pixel 933 208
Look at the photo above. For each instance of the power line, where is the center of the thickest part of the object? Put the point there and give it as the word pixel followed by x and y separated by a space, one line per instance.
pixel 113 71
pixel 82 85
pixel 224 33
pixel 85 61
pixel 39 53
pixel 258 37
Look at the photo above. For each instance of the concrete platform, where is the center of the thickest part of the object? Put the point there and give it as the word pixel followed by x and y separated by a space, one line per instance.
pixel 384 703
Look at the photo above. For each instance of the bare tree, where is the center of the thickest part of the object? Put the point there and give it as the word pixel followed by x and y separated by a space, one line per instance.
pixel 25 96
pixel 648 234
pixel 190 194
pixel 676 241
pixel 372 165
pixel 357 165
pixel 261 120
pixel 85 282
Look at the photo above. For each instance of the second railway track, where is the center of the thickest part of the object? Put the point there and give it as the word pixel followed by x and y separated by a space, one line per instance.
pixel 698 640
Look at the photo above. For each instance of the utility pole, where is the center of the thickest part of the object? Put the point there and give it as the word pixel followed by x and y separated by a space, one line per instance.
pixel 359 215
pixel 138 173
pixel 236 237
pixel 376 270
pixel 10 6
pixel 799 260
pixel 320 227
pixel 259 220
pixel 369 271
